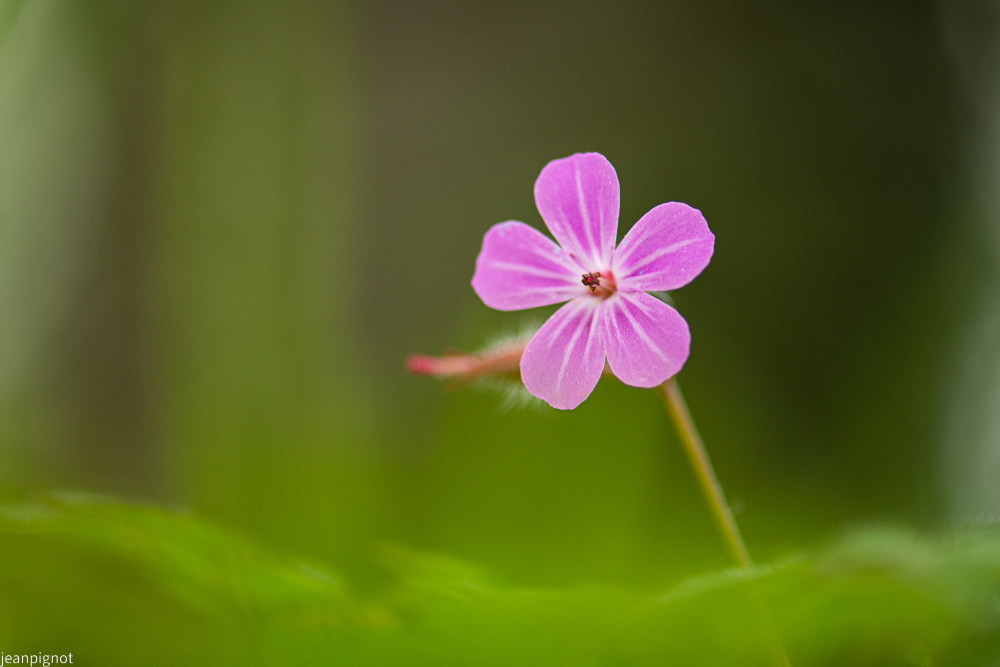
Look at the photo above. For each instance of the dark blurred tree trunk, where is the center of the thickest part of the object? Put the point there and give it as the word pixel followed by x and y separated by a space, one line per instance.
pixel 109 384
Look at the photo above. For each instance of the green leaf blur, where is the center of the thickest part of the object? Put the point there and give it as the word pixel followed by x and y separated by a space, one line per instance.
pixel 127 584
pixel 225 224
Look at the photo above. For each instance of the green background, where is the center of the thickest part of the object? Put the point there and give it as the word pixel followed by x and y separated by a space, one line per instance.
pixel 224 225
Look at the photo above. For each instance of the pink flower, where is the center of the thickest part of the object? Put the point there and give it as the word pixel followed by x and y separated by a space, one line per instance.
pixel 609 315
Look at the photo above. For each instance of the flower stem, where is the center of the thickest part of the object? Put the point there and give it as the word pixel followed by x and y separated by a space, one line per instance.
pixel 698 456
pixel 702 465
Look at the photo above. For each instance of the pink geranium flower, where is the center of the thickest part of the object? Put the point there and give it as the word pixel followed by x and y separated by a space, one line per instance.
pixel 609 315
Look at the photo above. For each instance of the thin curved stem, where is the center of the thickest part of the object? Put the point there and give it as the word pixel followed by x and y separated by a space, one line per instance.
pixel 709 483
pixel 702 465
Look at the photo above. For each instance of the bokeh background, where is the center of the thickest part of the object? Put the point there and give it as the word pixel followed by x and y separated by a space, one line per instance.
pixel 224 225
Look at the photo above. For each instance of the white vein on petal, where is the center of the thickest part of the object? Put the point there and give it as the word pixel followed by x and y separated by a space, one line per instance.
pixel 567 353
pixel 641 332
pixel 533 270
pixel 640 303
pixel 561 325
pixel 650 258
pixel 566 291
pixel 554 336
pixel 602 249
pixel 594 327
pixel 612 322
pixel 591 316
pixel 585 214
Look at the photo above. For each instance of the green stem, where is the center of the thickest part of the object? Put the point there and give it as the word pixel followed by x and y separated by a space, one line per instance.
pixel 702 465
pixel 698 456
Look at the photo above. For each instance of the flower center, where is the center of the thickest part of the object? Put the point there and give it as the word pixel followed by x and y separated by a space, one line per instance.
pixel 601 285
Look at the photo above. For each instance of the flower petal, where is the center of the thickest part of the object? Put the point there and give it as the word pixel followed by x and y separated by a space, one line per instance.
pixel 564 360
pixel 666 249
pixel 578 199
pixel 646 340
pixel 519 267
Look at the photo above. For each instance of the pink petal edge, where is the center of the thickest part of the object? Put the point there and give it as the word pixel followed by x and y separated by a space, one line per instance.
pixel 646 340
pixel 665 250
pixel 578 198
pixel 519 267
pixel 564 360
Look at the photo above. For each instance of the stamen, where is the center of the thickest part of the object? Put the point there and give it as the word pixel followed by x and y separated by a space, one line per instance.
pixel 601 283
pixel 592 280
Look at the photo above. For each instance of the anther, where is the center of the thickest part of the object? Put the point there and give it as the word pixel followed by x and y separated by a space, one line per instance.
pixel 592 280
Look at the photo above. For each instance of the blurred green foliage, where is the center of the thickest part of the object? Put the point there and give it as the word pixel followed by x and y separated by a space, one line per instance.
pixel 130 584
pixel 224 224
